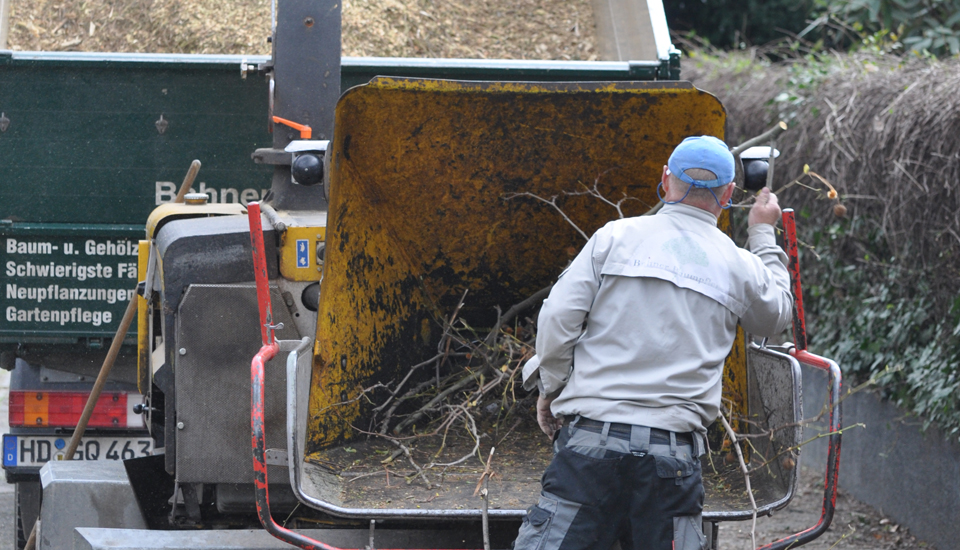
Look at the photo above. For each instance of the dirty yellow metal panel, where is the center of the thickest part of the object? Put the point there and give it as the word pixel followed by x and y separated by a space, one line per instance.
pixel 143 320
pixel 432 194
pixel 298 253
pixel 735 381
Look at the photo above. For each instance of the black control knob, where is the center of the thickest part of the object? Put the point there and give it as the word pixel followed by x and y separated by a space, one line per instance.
pixel 755 174
pixel 307 169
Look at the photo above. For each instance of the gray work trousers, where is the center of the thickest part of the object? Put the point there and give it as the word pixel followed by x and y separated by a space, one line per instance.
pixel 606 487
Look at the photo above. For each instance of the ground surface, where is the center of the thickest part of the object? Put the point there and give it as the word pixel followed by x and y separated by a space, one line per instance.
pixel 373 474
pixel 855 526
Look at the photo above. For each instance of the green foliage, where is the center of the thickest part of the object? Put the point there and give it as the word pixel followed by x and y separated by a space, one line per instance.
pixel 873 315
pixel 732 24
pixel 921 26
pixel 881 284
pixel 924 27
pixel 801 84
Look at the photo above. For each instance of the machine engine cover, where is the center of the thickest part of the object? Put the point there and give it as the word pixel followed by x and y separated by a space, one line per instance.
pixel 218 334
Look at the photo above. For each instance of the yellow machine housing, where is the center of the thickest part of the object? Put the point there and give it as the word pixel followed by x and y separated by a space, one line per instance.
pixel 438 187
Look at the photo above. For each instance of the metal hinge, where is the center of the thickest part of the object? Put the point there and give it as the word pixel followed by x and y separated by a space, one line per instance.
pixel 277 457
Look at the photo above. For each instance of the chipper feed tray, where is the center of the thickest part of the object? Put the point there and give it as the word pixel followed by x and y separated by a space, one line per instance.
pixel 440 187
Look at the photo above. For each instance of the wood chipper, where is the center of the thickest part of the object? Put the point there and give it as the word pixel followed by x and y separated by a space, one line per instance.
pixel 386 280
pixel 399 210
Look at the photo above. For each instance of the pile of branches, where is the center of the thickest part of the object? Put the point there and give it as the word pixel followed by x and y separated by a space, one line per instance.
pixel 885 131
pixel 881 282
pixel 469 368
pixel 473 383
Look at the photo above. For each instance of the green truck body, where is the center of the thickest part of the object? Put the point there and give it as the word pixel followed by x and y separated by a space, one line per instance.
pixel 92 143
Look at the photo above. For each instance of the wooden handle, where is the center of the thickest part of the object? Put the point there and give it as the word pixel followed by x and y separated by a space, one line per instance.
pixel 188 180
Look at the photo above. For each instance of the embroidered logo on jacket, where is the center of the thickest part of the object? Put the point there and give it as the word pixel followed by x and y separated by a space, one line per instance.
pixel 686 251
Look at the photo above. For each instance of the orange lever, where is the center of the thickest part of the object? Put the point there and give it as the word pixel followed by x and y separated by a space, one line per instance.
pixel 305 131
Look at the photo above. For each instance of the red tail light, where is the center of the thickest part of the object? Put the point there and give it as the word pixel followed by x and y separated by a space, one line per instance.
pixel 62 409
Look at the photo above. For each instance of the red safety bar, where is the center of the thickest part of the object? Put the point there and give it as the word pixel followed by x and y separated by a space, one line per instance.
pixel 793 266
pixel 267 352
pixel 803 356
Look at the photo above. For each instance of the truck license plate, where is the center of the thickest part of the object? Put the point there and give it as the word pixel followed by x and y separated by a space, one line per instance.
pixel 24 450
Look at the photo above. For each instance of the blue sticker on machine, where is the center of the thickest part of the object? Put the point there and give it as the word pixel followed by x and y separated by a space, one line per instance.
pixel 303 260
pixel 9 450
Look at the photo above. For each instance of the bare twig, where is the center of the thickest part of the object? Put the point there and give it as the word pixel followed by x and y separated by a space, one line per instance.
pixel 385 423
pixel 746 477
pixel 772 159
pixel 472 426
pixel 594 191
pixel 772 133
pixel 445 340
pixel 552 201
pixel 409 455
pixel 511 313
pixel 464 382
pixel 359 396
pixel 485 493
pixel 406 378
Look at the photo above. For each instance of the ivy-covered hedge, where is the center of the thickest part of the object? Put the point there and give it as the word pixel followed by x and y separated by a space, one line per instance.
pixel 880 319
pixel 881 284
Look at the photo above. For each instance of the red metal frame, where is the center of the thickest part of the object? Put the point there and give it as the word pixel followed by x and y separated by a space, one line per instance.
pixel 267 352
pixel 270 349
pixel 260 273
pixel 793 266
pixel 836 422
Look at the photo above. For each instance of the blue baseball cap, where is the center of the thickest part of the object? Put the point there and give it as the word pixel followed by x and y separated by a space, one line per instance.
pixel 706 153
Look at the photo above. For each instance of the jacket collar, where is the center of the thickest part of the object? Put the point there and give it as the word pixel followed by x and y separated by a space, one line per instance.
pixel 680 209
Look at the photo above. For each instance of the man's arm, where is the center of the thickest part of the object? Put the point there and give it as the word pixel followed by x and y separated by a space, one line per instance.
pixel 558 328
pixel 531 380
pixel 549 424
pixel 562 317
pixel 772 312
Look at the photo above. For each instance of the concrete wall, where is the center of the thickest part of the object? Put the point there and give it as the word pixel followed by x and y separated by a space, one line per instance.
pixel 912 476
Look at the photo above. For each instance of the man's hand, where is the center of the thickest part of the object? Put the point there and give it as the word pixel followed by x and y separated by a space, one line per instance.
pixel 548 423
pixel 765 210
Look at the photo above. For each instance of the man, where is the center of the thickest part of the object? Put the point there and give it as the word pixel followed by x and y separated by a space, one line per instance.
pixel 630 348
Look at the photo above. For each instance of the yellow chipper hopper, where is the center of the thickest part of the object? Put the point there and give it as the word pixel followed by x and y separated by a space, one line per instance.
pixel 463 199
